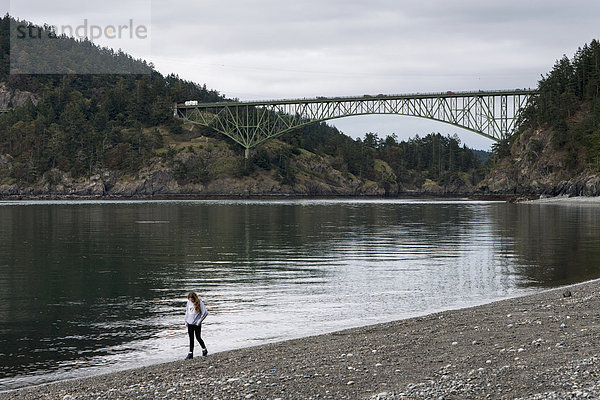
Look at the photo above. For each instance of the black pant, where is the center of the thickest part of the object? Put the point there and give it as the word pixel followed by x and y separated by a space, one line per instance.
pixel 197 329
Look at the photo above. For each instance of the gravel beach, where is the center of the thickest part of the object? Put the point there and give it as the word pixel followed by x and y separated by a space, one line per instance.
pixel 539 346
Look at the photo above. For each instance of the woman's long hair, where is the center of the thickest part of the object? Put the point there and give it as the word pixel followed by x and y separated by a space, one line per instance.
pixel 194 299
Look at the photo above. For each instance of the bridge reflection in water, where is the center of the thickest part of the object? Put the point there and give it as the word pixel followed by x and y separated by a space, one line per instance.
pixel 493 114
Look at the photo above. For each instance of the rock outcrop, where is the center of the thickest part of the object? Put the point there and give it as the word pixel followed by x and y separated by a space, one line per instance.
pixel 161 181
pixel 10 98
pixel 209 168
pixel 536 167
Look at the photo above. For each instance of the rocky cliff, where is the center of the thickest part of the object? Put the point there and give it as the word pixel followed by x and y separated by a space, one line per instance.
pixel 207 167
pixel 10 98
pixel 537 167
pixel 161 181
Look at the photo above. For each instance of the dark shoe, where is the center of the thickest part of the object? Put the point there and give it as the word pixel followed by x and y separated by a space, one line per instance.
pixel 189 356
pixel 204 352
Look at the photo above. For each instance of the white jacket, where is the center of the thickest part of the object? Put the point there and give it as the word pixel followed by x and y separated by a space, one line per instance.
pixel 191 316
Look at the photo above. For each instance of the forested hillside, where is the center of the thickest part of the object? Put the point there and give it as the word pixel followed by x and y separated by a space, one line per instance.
pixel 79 123
pixel 557 149
pixel 102 135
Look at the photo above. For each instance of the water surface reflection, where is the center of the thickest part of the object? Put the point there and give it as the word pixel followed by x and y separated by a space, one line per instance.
pixel 87 287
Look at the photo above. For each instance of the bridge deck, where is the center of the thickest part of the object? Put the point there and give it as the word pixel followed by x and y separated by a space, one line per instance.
pixel 448 94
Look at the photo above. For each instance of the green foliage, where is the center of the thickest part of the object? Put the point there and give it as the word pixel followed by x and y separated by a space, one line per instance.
pixel 593 149
pixel 278 160
pixel 432 157
pixel 261 159
pixel 194 171
pixel 83 123
pixel 39 50
pixel 568 104
pixel 242 168
pixel 52 177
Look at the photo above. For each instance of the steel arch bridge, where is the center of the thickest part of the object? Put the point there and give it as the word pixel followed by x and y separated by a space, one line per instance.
pixel 492 114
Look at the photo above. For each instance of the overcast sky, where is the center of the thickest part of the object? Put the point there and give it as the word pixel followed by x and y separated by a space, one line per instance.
pixel 271 49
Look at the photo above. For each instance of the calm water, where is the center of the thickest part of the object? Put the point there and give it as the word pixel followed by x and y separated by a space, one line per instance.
pixel 91 287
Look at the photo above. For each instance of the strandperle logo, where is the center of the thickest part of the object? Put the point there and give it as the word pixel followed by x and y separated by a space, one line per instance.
pixel 65 48
pixel 131 30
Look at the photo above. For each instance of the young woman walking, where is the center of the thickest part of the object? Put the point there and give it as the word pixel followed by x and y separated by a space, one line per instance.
pixel 195 312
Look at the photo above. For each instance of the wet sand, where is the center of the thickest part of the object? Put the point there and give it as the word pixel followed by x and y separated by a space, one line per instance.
pixel 539 346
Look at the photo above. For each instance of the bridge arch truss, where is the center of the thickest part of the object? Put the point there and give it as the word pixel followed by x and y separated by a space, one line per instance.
pixel 493 114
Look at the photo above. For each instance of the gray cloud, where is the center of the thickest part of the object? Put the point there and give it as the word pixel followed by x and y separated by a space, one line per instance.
pixel 276 49
pixel 271 49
